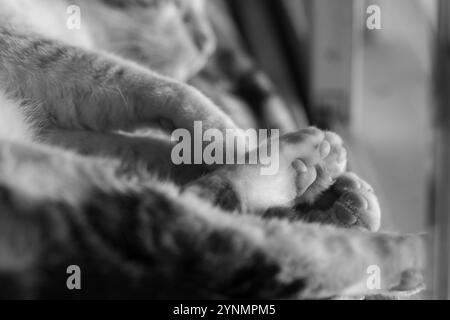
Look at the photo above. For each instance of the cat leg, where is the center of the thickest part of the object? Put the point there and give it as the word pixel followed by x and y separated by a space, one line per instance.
pixel 308 162
pixel 150 152
pixel 350 203
pixel 70 88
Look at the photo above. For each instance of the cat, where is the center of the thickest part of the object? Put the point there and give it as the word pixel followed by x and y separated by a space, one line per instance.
pixel 66 197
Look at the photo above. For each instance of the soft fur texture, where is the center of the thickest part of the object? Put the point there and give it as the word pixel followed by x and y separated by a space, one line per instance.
pixel 76 186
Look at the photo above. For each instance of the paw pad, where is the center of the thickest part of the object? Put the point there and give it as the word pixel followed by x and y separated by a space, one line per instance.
pixel 323 158
pixel 356 205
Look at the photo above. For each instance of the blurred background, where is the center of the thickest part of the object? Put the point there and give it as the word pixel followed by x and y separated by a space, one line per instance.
pixel 384 90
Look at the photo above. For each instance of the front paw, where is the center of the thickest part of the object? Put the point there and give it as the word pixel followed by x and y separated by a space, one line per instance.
pixel 306 164
pixel 357 205
pixel 350 202
pixel 316 174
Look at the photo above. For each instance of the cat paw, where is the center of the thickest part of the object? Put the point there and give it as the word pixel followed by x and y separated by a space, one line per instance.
pixel 307 162
pixel 316 171
pixel 351 203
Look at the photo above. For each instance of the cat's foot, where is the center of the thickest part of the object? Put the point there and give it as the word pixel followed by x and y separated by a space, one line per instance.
pixel 332 163
pixel 350 202
pixel 305 165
